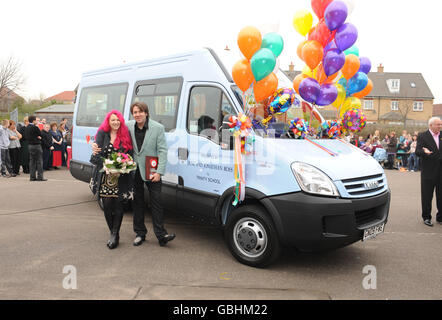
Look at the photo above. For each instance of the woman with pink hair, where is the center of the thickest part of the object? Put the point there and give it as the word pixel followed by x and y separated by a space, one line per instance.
pixel 112 136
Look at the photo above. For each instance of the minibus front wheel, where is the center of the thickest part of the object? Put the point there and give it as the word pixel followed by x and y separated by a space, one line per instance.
pixel 251 236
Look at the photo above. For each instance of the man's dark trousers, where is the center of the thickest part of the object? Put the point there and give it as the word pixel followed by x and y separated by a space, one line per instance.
pixel 47 159
pixel 427 191
pixel 35 161
pixel 140 206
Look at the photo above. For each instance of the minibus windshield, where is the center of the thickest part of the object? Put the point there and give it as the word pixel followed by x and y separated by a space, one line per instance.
pixel 278 125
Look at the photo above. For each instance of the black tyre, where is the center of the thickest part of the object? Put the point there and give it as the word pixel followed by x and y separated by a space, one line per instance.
pixel 251 236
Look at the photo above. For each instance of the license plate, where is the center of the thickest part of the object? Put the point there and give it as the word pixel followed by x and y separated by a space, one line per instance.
pixel 372 232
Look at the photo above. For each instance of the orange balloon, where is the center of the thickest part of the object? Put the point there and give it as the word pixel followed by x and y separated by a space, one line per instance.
pixel 266 87
pixel 366 91
pixel 312 52
pixel 242 74
pixel 320 74
pixel 297 81
pixel 351 66
pixel 299 50
pixel 249 41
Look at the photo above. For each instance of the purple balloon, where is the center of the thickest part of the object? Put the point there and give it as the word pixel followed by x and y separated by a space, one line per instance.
pixel 334 60
pixel 309 90
pixel 328 94
pixel 346 36
pixel 335 14
pixel 365 65
pixel 330 46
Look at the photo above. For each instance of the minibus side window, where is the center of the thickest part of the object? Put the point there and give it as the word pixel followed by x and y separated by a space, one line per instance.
pixel 207 108
pixel 162 99
pixel 96 102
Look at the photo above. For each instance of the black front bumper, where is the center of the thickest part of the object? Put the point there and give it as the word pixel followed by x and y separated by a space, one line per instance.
pixel 312 223
pixel 81 170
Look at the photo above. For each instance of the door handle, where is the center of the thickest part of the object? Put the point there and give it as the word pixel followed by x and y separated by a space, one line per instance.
pixel 183 153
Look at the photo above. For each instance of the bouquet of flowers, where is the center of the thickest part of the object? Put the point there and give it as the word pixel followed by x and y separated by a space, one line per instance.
pixel 119 163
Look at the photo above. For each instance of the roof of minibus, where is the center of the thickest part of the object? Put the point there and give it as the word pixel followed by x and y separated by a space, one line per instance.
pixel 224 58
pixel 148 61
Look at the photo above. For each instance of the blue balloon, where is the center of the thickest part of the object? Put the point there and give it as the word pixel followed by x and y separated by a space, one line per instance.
pixel 357 83
pixel 343 82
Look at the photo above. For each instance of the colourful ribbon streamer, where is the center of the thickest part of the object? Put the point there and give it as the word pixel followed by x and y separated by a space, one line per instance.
pixel 239 173
pixel 241 128
pixel 333 154
pixel 349 144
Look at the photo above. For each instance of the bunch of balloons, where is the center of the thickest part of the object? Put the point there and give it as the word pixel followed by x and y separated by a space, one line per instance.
pixel 354 120
pixel 300 128
pixel 334 73
pixel 332 129
pixel 259 63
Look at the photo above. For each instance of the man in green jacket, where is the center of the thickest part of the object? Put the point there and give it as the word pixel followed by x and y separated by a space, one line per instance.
pixel 148 140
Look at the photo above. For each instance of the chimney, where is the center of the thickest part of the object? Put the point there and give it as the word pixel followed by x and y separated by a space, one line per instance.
pixel 291 67
pixel 381 68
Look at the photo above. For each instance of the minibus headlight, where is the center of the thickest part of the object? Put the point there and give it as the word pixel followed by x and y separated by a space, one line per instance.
pixel 313 180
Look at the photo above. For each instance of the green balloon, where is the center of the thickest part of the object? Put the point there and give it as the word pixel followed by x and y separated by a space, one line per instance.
pixel 274 42
pixel 353 50
pixel 263 63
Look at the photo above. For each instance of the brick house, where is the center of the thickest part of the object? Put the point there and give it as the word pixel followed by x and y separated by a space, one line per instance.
pixel 7 98
pixel 437 110
pixel 396 97
pixel 65 97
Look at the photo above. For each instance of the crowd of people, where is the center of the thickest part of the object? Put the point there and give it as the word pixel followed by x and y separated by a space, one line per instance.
pixel 32 145
pixel 392 152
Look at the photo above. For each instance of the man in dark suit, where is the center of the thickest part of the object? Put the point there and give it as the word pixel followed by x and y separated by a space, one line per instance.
pixel 33 135
pixel 429 148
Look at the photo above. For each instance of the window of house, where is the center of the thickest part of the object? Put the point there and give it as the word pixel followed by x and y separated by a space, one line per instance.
pixel 96 102
pixel 162 98
pixel 394 105
pixel 368 105
pixel 418 106
pixel 394 85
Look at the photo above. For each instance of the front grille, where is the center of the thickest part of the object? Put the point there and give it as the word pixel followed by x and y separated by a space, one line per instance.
pixel 366 186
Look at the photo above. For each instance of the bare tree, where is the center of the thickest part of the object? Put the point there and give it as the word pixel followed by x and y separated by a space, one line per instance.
pixel 405 109
pixel 11 76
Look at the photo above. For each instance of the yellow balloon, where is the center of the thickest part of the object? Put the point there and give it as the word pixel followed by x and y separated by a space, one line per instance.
pixel 341 96
pixel 350 103
pixel 303 22
pixel 308 72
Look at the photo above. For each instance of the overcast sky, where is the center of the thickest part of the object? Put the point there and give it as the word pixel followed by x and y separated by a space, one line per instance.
pixel 58 40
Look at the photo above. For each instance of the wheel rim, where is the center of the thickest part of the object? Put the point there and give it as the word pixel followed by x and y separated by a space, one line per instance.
pixel 250 237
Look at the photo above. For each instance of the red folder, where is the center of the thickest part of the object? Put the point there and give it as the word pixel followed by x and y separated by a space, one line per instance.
pixel 151 164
